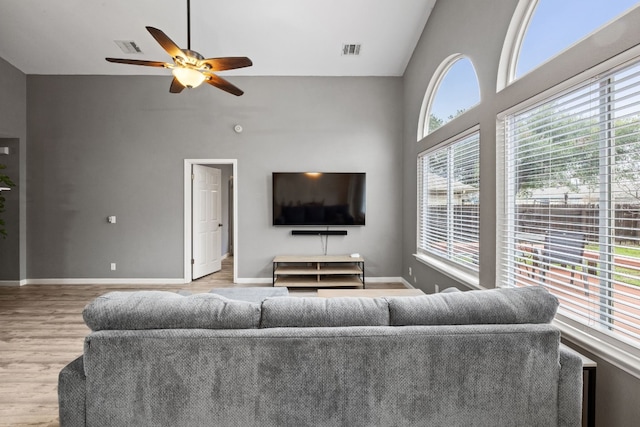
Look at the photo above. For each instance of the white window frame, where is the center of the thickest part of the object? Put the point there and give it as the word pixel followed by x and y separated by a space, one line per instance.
pixel 615 351
pixel 447 266
pixel 433 88
pixel 516 33
pixel 513 42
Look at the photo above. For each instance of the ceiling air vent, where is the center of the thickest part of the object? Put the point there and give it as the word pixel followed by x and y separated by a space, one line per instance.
pixel 351 49
pixel 128 46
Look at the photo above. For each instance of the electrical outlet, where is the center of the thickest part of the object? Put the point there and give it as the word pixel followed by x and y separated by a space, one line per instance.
pixel 113 266
pixel 415 279
pixel 409 271
pixel 437 289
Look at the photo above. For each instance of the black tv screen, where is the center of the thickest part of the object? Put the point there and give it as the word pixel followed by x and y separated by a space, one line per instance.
pixel 319 198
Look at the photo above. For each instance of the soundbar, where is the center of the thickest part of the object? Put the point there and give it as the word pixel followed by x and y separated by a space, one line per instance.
pixel 319 232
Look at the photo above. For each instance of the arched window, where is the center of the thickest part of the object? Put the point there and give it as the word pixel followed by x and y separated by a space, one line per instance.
pixel 541 29
pixel 452 90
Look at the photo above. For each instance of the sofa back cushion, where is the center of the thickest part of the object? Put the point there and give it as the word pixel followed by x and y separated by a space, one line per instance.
pixel 470 375
pixel 321 312
pixel 494 306
pixel 168 310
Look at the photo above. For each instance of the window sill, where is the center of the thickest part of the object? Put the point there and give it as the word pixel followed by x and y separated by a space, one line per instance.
pixel 450 269
pixel 626 360
pixel 609 352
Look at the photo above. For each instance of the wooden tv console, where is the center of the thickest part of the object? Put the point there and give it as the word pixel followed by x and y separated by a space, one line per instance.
pixel 318 271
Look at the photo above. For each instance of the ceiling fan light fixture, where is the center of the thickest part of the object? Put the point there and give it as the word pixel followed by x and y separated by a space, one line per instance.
pixel 188 77
pixel 190 69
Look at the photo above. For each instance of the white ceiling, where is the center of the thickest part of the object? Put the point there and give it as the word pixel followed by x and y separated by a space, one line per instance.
pixel 282 37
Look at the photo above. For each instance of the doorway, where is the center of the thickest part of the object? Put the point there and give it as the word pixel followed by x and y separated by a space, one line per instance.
pixel 232 217
pixel 12 248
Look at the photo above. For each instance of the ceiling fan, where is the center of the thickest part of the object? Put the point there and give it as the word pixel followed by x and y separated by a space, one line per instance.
pixel 189 68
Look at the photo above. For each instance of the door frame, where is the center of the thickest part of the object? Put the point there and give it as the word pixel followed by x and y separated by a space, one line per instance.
pixel 188 200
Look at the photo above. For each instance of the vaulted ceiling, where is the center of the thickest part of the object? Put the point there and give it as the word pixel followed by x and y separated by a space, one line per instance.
pixel 282 37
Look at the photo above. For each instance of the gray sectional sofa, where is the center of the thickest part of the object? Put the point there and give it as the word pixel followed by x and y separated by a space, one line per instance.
pixel 479 358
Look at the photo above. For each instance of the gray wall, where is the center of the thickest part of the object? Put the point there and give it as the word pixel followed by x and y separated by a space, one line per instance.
pixel 102 146
pixel 13 133
pixel 114 145
pixel 477 30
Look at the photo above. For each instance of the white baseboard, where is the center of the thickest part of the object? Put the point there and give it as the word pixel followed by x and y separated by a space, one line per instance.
pixel 180 281
pixel 94 281
pixel 406 283
pixel 13 282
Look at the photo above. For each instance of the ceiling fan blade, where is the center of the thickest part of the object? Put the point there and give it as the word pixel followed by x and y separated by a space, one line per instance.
pixel 176 86
pixel 221 83
pixel 166 43
pixel 228 63
pixel 137 62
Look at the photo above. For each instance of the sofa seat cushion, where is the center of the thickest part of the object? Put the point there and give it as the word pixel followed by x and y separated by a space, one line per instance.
pixel 494 306
pixel 168 310
pixel 324 312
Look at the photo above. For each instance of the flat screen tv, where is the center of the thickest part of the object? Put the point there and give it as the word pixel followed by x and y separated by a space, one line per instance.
pixel 319 198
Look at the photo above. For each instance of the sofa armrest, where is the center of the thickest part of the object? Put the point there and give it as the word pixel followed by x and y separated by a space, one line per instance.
pixel 570 389
pixel 71 394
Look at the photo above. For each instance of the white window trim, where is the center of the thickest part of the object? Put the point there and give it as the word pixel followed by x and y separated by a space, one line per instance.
pixel 515 36
pixel 432 90
pixel 513 42
pixel 605 347
pixel 463 275
pixel 618 355
pixel 454 271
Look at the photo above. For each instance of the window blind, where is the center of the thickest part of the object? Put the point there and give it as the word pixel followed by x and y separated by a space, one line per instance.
pixel 448 197
pixel 572 201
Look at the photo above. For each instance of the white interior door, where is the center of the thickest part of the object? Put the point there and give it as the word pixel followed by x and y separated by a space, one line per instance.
pixel 206 212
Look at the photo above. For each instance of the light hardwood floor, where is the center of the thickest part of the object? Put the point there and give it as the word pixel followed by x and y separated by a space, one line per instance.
pixel 41 330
